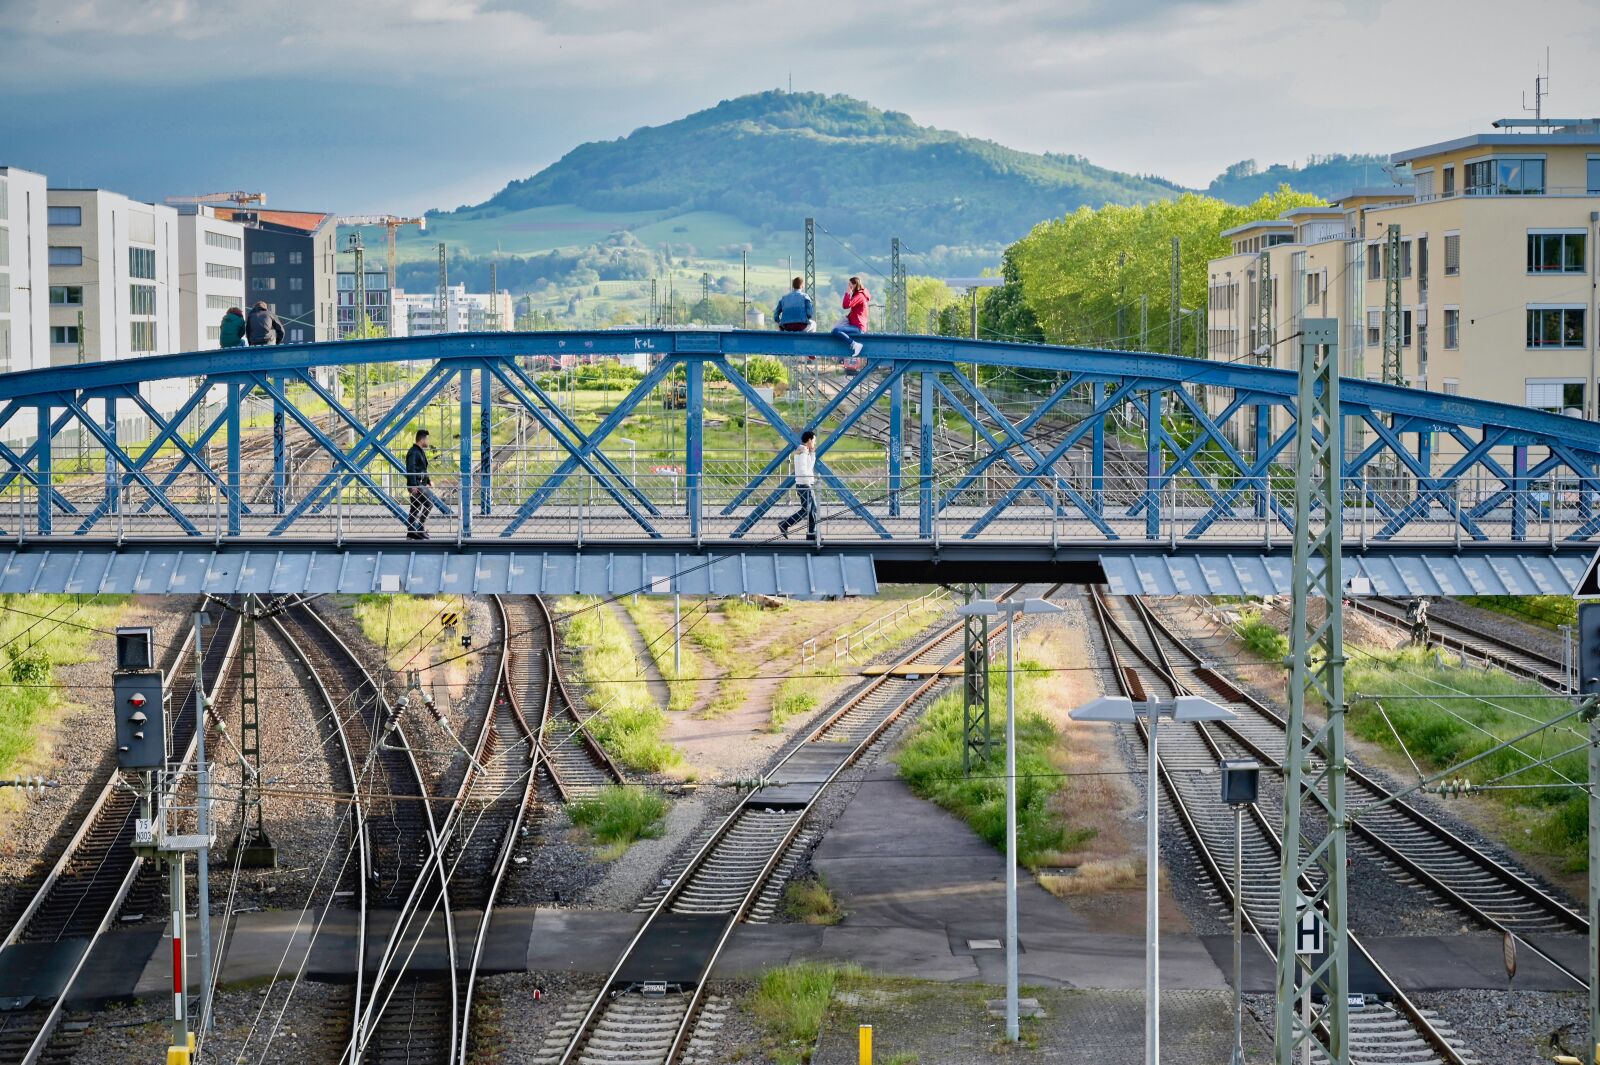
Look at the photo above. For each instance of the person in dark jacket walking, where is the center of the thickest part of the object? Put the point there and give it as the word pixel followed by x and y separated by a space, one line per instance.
pixel 233 328
pixel 264 326
pixel 417 482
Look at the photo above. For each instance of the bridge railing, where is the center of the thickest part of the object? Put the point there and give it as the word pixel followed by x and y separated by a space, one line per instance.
pixel 858 499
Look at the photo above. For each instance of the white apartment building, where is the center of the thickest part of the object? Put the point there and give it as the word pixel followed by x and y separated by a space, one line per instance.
pixel 211 272
pixel 377 301
pixel 24 275
pixel 466 312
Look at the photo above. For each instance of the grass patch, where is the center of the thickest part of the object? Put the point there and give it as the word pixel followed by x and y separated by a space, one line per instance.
pixel 653 618
pixel 1096 878
pixel 1440 733
pixel 620 815
pixel 406 626
pixel 802 693
pixel 1548 611
pixel 930 763
pixel 628 723
pixel 33 648
pixel 1261 638
pixel 789 1005
pixel 811 901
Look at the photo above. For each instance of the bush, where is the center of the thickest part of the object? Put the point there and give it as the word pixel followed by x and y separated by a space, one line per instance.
pixel 790 1003
pixel 620 814
pixel 1262 639
pixel 812 902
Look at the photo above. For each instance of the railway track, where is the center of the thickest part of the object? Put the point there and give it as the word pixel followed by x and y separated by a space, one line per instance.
pixel 97 877
pixel 1472 643
pixel 1396 1032
pixel 654 1008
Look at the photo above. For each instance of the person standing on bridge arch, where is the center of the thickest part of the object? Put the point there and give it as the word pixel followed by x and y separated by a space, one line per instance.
pixel 856 298
pixel 417 482
pixel 795 313
pixel 805 476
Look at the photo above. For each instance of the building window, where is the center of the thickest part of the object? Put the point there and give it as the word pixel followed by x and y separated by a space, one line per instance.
pixel 297 309
pixel 1374 327
pixel 263 258
pixel 225 241
pixel 1313 288
pixel 63 334
pixel 213 332
pixel 1449 181
pixel 1555 327
pixel 65 216
pixel 141 299
pixel 1554 394
pixel 296 284
pixel 296 258
pixel 1452 387
pixel 1557 253
pixel 1452 254
pixel 1452 328
pixel 66 295
pixel 141 336
pixel 1405 329
pixel 221 303
pixel 1594 175
pixel 263 284
pixel 1374 262
pixel 297 336
pixel 1506 176
pixel 224 272
pixel 63 256
pixel 142 263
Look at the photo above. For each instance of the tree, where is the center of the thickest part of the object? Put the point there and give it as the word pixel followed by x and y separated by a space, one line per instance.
pixel 766 370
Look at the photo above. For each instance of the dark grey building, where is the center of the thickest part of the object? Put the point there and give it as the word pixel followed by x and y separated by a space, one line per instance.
pixel 289 262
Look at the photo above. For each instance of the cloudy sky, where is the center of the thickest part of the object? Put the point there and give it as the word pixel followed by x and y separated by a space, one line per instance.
pixel 401 105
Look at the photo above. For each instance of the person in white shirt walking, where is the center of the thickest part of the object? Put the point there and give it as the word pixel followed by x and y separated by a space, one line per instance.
pixel 805 476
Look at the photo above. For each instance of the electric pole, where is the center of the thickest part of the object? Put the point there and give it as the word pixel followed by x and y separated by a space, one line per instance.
pixel 358 320
pixel 1393 369
pixel 897 289
pixel 253 848
pixel 744 289
pixel 1175 325
pixel 1144 321
pixel 441 302
pixel 83 356
pixel 811 257
pixel 494 295
pixel 705 298
pixel 1122 301
pixel 1261 349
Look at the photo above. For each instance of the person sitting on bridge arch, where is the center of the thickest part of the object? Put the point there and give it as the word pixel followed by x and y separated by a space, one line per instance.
pixel 264 327
pixel 234 328
pixel 795 313
pixel 856 298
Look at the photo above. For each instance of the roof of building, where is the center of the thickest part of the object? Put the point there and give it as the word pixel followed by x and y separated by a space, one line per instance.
pixel 1314 212
pixel 308 221
pixel 1387 192
pixel 1497 140
pixel 1260 223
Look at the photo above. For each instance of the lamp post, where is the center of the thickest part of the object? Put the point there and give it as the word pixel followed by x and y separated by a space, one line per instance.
pixel 1240 784
pixel 1119 708
pixel 1014 609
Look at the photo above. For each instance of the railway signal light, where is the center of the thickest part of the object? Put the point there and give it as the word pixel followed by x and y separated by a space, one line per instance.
pixel 140 719
pixel 1589 648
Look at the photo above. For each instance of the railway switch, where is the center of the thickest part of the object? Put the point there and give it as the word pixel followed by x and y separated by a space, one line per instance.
pixel 141 719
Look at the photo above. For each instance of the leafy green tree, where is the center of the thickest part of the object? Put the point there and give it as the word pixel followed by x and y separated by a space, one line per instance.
pixel 766 370
pixel 1076 272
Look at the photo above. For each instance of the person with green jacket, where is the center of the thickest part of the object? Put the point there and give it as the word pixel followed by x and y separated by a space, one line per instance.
pixel 233 328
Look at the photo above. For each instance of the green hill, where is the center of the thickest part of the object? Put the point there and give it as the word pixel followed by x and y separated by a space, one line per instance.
pixel 1323 175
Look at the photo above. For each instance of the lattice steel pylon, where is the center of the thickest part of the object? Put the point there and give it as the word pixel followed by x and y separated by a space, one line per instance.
pixel 1313 866
pixel 259 850
pixel 977 741
pixel 1263 345
pixel 441 300
pixel 1393 369
pixel 1175 321
pixel 358 330
pixel 811 257
pixel 897 289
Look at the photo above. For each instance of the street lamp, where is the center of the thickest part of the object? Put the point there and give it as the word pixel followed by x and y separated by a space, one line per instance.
pixel 1014 609
pixel 1119 708
pixel 1241 781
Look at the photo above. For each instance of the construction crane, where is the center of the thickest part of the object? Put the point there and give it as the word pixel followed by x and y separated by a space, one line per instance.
pixel 236 199
pixel 388 221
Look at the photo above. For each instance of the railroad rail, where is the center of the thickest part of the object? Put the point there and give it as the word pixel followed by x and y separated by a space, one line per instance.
pixel 98 874
pixel 647 1009
pixel 1473 644
pixel 1395 1033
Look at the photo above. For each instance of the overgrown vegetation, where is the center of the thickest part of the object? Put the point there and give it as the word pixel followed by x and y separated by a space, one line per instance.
pixel 811 901
pixel 620 815
pixel 653 618
pixel 1422 696
pixel 1259 635
pixel 1549 611
pixel 405 626
pixel 627 722
pixel 802 692
pixel 930 763
pixel 790 1003
pixel 41 632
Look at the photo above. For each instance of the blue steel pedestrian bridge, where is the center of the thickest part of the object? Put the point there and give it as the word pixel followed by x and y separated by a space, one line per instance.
pixel 642 450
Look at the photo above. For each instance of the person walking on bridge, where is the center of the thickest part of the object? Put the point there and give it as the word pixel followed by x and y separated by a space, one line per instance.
pixel 417 482
pixel 264 325
pixel 856 298
pixel 805 476
pixel 795 313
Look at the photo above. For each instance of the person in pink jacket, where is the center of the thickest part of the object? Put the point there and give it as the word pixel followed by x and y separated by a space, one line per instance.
pixel 856 298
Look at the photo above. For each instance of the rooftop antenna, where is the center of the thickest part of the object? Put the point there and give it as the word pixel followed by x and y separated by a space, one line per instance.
pixel 1541 89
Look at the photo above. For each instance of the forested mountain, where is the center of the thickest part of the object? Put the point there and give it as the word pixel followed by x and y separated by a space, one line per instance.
pixel 1323 175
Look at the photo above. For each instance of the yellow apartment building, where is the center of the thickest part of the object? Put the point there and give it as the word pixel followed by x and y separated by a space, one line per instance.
pixel 1497 270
